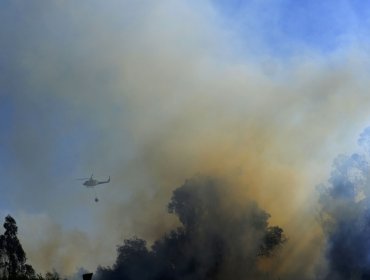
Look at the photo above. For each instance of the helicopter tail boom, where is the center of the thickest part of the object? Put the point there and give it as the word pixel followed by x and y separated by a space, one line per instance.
pixel 105 182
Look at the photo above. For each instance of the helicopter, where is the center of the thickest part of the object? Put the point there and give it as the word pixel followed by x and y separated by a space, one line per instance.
pixel 91 183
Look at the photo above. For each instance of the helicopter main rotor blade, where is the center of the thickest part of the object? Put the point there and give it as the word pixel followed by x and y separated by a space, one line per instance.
pixel 82 178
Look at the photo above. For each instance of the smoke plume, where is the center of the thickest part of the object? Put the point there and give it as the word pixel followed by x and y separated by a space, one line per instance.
pixel 152 93
pixel 345 214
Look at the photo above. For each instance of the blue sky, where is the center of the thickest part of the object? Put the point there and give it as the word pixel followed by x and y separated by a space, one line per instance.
pixel 152 93
pixel 324 26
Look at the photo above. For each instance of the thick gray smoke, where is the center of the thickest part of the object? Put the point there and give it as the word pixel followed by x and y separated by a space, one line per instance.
pixel 346 214
pixel 151 93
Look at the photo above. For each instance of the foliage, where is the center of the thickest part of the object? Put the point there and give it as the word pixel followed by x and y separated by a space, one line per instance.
pixel 218 239
pixel 12 256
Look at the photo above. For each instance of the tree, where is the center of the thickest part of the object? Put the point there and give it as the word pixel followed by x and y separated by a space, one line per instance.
pixel 12 256
pixel 51 276
pixel 134 261
pixel 219 238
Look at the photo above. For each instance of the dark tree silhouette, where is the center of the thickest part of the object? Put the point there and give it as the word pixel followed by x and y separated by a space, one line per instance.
pixel 12 256
pixel 13 259
pixel 133 261
pixel 219 239
pixel 273 238
pixel 49 276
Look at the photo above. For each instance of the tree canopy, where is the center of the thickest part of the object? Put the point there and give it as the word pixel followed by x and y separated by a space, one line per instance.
pixel 12 256
pixel 218 239
pixel 13 259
